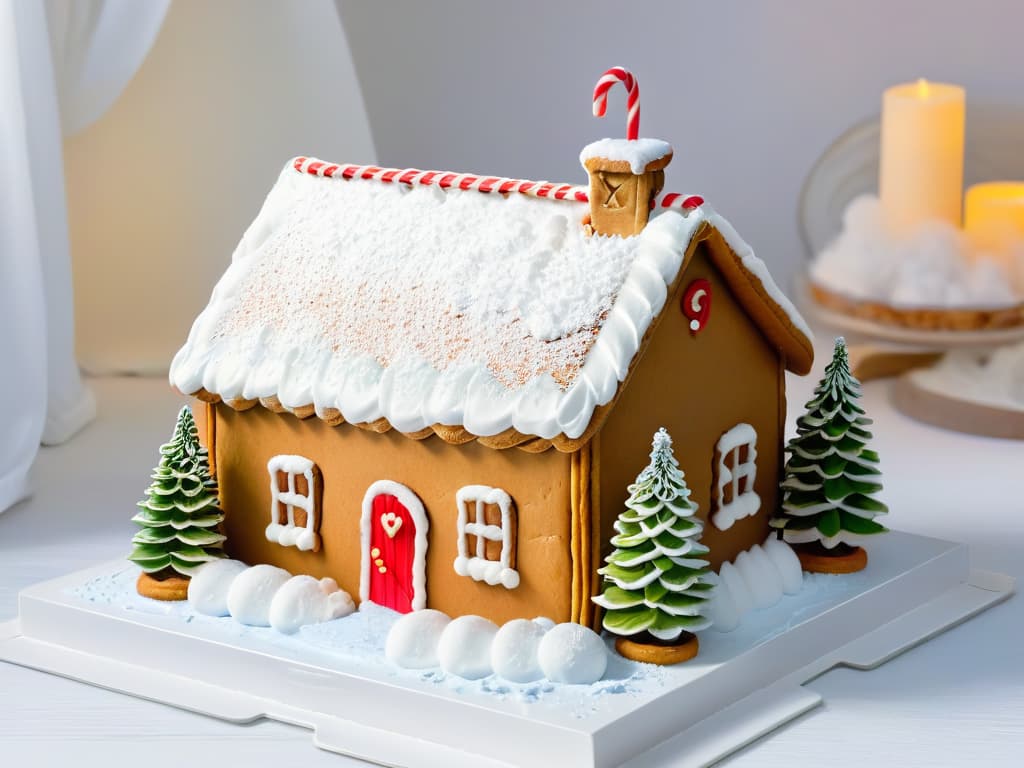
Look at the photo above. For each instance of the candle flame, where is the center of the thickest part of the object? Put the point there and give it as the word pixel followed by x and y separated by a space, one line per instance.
pixel 923 88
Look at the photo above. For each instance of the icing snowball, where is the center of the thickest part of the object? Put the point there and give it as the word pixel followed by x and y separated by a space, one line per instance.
pixel 545 622
pixel 574 654
pixel 786 563
pixel 413 640
pixel 304 600
pixel 722 608
pixel 514 651
pixel 465 647
pixel 252 591
pixel 208 589
pixel 737 587
pixel 759 586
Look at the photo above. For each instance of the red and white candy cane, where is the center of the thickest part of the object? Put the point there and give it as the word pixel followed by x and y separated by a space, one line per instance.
pixel 610 78
pixel 473 182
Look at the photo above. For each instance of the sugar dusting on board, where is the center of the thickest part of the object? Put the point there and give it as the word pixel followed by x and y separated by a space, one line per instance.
pixel 355 644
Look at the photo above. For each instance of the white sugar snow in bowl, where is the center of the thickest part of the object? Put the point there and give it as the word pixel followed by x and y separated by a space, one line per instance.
pixel 414 639
pixel 208 589
pixel 252 592
pixel 305 600
pixel 574 654
pixel 514 651
pixel 465 647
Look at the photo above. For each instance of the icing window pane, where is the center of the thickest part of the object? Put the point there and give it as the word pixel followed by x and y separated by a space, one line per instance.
pixel 487 536
pixel 735 469
pixel 294 502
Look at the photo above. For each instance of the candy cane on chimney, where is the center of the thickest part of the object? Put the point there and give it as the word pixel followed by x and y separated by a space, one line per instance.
pixel 610 78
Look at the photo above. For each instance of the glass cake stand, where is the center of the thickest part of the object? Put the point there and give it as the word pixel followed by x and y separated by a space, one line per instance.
pixel 848 169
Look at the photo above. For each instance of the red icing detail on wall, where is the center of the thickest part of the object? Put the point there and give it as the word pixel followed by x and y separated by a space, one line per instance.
pixel 697 304
pixel 392 551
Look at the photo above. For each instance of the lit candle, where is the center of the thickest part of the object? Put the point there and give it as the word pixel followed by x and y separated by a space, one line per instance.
pixel 922 157
pixel 994 218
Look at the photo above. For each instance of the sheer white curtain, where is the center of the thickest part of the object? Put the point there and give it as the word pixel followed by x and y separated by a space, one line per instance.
pixel 63 63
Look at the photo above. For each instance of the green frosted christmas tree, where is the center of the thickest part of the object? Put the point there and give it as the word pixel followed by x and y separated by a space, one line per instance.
pixel 179 518
pixel 828 504
pixel 655 585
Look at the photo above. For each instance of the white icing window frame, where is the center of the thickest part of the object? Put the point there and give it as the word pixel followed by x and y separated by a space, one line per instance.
pixel 288 534
pixel 731 474
pixel 476 565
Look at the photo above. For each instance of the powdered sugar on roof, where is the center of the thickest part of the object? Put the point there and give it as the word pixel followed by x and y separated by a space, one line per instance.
pixel 449 277
pixel 428 306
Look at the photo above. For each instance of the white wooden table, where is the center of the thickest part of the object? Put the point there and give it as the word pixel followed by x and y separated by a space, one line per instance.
pixel 957 700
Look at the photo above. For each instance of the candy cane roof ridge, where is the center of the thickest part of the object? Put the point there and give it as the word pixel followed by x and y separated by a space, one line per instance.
pixel 347 298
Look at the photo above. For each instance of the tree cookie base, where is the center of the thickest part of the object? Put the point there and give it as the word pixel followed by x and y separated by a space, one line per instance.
pixel 843 559
pixel 168 588
pixel 656 653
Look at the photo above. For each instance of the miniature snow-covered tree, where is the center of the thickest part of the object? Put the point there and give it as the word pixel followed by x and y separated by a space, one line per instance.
pixel 179 517
pixel 655 585
pixel 828 504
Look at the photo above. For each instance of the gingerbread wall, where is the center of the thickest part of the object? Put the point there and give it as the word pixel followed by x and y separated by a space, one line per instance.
pixel 697 386
pixel 351 459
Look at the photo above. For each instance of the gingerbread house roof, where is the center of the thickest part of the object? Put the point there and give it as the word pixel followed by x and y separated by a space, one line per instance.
pixel 463 306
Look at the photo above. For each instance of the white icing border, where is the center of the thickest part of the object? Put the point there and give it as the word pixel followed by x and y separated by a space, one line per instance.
pixel 743 504
pixel 288 535
pixel 478 567
pixel 412 503
pixel 362 391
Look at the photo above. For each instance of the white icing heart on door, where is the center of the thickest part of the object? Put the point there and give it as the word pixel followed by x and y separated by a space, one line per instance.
pixel 390 522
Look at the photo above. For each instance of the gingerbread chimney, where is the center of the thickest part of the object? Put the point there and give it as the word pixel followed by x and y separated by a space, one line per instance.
pixel 625 174
pixel 622 188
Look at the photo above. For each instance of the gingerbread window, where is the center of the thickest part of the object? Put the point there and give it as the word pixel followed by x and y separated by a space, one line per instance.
pixel 735 469
pixel 294 502
pixel 487 536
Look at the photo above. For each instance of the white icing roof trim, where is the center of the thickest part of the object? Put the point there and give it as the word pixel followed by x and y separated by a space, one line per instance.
pixel 411 393
pixel 639 153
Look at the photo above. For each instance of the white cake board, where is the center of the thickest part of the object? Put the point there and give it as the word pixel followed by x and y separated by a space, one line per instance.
pixel 743 684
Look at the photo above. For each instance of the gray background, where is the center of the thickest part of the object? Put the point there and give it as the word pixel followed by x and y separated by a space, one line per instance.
pixel 749 93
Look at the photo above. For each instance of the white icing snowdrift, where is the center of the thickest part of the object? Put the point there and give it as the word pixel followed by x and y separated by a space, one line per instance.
pixel 266 596
pixel 520 651
pixel 425 306
pixel 757 578
pixel 933 267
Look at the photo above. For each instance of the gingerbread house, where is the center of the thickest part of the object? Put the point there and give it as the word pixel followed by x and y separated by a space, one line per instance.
pixel 436 387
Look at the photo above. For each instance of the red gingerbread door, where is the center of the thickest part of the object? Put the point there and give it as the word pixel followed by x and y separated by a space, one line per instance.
pixel 394 538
